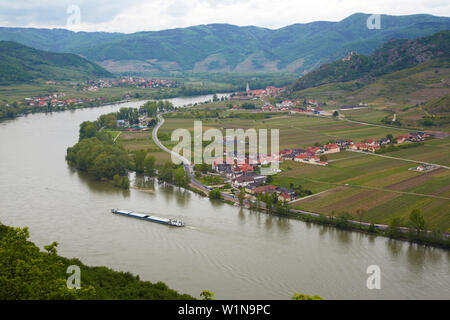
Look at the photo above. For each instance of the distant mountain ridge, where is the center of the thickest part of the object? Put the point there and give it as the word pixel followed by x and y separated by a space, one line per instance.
pixel 227 48
pixel 393 56
pixel 19 63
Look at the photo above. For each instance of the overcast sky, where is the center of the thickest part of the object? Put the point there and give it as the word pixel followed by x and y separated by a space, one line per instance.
pixel 142 15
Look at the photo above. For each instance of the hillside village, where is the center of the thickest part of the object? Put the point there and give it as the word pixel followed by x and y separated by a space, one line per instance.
pixel 58 99
pixel 139 82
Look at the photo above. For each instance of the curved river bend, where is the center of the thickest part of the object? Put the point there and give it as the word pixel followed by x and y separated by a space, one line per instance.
pixel 235 253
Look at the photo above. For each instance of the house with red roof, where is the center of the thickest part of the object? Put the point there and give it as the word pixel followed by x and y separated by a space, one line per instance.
pixel 305 158
pixel 402 138
pixel 359 146
pixel 284 196
pixel 331 148
pixel 243 181
pixel 265 189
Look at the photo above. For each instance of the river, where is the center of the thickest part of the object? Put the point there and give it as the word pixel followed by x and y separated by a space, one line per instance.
pixel 236 253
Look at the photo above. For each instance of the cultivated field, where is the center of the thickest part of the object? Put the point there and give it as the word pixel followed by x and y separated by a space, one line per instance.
pixel 382 186
pixel 133 141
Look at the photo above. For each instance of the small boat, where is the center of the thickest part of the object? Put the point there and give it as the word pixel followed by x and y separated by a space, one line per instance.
pixel 143 216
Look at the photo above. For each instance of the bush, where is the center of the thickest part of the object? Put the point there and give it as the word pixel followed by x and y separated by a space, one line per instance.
pixel 121 182
pixel 215 194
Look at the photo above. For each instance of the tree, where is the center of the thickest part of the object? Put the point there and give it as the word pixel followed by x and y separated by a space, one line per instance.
pixel 241 196
pixel 215 194
pixel 390 137
pixel 181 177
pixel 417 220
pixel 323 158
pixel 282 206
pixel 394 228
pixel 88 129
pixel 360 213
pixel 301 296
pixel 139 158
pixel 165 173
pixel 342 220
pixel 125 183
pixel 332 215
pixel 121 182
pixel 149 166
pixel 335 114
pixel 207 295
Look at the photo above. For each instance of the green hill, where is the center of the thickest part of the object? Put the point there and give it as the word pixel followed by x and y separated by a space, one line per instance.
pixel 296 48
pixel 410 79
pixel 393 56
pixel 19 63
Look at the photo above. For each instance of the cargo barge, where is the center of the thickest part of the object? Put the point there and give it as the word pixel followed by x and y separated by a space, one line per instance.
pixel 143 216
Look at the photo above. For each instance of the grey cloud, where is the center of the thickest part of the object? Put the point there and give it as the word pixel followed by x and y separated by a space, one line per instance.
pixel 44 12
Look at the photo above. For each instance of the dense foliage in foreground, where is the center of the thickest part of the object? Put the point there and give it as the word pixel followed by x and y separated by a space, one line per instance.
pixel 28 273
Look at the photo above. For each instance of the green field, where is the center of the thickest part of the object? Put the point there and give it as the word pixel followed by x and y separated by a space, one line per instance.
pixel 382 186
pixel 295 131
pixel 133 141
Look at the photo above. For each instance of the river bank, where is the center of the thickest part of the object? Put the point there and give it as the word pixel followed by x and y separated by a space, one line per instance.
pixel 234 252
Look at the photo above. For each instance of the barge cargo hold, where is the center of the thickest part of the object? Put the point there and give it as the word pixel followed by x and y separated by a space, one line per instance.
pixel 143 216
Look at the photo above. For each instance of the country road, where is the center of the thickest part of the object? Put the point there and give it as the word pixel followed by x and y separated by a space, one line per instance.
pixel 186 163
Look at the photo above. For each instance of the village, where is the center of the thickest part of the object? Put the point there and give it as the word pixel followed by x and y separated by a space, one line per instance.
pixel 58 100
pixel 94 85
pixel 232 175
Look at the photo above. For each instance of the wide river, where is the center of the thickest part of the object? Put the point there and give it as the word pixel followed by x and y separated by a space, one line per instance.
pixel 235 253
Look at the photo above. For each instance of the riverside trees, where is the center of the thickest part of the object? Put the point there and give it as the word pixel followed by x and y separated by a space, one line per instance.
pixel 98 158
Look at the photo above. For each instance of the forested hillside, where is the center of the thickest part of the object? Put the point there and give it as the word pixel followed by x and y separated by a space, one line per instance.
pixel 19 63
pixel 393 56
pixel 228 48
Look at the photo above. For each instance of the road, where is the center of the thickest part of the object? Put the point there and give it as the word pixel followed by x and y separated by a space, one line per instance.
pixel 186 163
